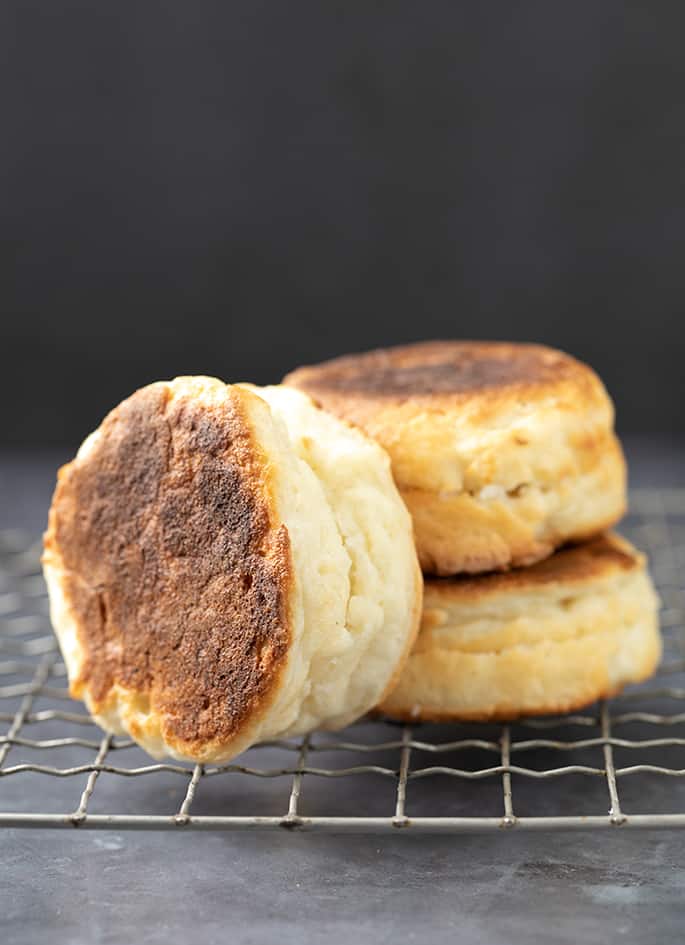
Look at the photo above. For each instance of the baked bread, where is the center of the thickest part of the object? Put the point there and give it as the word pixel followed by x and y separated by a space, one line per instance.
pixel 550 638
pixel 502 452
pixel 227 565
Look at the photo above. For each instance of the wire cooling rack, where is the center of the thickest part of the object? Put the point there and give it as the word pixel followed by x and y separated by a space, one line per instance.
pixel 58 770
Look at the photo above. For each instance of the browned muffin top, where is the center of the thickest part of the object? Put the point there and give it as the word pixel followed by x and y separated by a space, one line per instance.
pixel 437 370
pixel 176 566
pixel 601 556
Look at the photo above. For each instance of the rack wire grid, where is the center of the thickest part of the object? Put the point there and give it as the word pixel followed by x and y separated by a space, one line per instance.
pixel 57 769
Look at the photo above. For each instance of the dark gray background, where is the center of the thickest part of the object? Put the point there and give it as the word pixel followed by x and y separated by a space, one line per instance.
pixel 235 188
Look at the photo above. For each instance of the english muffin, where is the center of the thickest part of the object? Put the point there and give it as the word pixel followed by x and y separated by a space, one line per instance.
pixel 228 565
pixel 502 452
pixel 549 638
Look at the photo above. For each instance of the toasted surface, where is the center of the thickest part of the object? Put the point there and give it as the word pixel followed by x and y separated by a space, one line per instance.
pixel 165 534
pixel 501 451
pixel 205 581
pixel 545 639
pixel 441 373
pixel 572 565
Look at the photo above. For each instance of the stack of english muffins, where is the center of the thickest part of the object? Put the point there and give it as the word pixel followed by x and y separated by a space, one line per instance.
pixel 506 457
pixel 229 564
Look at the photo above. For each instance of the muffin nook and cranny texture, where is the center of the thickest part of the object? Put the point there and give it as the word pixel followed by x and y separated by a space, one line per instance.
pixel 502 452
pixel 226 565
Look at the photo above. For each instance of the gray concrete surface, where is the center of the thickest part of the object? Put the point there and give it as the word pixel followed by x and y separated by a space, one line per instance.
pixel 87 888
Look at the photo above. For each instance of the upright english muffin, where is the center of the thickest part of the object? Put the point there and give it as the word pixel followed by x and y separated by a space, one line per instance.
pixel 502 452
pixel 215 580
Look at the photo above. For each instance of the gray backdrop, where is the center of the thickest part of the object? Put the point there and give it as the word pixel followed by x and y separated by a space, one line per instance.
pixel 235 188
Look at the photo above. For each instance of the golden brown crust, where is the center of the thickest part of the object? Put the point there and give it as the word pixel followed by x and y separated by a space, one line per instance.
pixel 573 564
pixel 438 375
pixel 501 451
pixel 175 565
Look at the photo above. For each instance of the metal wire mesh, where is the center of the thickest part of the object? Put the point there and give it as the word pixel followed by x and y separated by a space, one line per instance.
pixel 58 770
